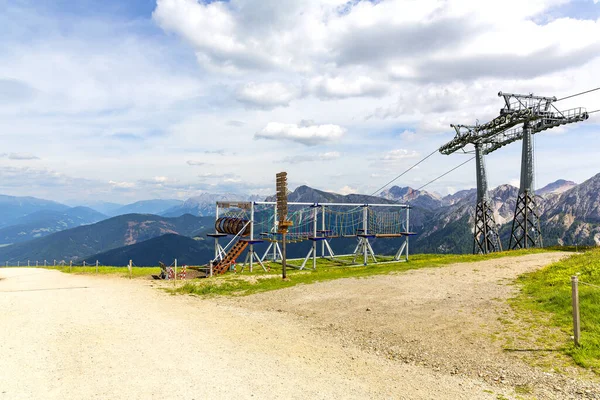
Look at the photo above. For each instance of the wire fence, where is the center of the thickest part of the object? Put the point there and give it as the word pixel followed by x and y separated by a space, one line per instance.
pixel 170 272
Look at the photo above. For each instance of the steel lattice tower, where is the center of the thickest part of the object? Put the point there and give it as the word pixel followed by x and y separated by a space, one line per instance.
pixel 526 231
pixel 534 114
pixel 485 234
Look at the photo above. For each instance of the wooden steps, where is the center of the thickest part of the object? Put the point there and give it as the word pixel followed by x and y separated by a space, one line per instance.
pixel 233 253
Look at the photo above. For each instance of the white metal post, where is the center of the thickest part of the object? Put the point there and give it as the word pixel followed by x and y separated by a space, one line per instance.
pixel 175 269
pixel 251 235
pixel 323 229
pixel 217 253
pixel 315 214
pixel 365 227
pixel 407 230
pixel 275 232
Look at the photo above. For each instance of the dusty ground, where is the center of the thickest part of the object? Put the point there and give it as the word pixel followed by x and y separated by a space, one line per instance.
pixel 425 336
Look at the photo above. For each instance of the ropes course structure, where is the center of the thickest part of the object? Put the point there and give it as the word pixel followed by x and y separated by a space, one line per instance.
pixel 254 223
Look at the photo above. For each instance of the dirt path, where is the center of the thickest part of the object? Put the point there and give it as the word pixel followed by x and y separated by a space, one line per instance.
pixel 442 319
pixel 72 337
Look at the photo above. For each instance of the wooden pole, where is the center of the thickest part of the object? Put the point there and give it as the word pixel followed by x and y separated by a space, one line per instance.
pixel 70 265
pixel 96 266
pixel 175 271
pixel 283 255
pixel 575 300
pixel 130 267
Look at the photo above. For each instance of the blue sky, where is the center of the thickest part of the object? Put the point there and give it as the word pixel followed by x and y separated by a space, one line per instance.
pixel 129 100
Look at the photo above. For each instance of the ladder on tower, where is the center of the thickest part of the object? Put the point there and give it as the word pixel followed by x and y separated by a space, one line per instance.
pixel 222 266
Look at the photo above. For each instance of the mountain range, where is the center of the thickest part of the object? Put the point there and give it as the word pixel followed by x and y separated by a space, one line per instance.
pixel 44 222
pixel 570 213
pixel 124 230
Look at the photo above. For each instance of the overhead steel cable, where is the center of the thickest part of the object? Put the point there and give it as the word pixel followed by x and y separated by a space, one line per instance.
pixel 445 173
pixel 578 94
pixel 393 180
pixel 595 111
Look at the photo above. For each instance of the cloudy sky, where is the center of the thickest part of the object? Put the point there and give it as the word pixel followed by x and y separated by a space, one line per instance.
pixel 126 100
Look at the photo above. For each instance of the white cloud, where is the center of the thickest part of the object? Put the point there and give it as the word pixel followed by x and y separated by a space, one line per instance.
pixel 121 185
pixel 298 159
pixel 195 162
pixel 330 155
pixel 307 134
pixel 266 95
pixel 338 87
pixel 398 154
pixel 19 156
pixel 347 190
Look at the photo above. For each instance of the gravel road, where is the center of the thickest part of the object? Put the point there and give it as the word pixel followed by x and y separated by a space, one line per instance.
pixel 74 337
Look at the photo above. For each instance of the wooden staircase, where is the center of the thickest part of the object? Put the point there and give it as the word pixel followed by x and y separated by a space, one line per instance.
pixel 222 266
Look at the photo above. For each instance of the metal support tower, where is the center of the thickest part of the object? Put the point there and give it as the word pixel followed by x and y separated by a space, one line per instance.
pixel 527 115
pixel 485 234
pixel 526 231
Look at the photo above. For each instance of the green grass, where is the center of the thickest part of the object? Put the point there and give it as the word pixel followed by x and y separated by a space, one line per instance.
pixel 259 281
pixel 549 291
pixel 136 272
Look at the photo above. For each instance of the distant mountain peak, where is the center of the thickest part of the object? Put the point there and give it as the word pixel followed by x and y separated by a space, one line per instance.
pixel 557 187
pixel 418 198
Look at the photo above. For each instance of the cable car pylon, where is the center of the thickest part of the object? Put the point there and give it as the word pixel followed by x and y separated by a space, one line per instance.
pixel 529 114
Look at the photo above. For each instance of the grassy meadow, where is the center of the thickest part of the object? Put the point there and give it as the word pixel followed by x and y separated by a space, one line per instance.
pixel 549 291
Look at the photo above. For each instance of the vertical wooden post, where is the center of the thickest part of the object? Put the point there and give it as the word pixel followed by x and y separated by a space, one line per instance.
pixel 175 278
pixel 130 266
pixel 96 266
pixel 70 265
pixel 575 300
pixel 283 255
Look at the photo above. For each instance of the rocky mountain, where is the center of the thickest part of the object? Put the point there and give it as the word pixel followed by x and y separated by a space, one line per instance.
pixel 12 207
pixel 417 198
pixel 305 194
pixel 557 187
pixel 458 196
pixel 204 204
pixel 44 222
pixel 568 214
pixel 574 215
pixel 157 206
pixel 83 241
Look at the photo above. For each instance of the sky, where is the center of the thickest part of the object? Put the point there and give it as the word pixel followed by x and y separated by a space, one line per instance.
pixel 130 100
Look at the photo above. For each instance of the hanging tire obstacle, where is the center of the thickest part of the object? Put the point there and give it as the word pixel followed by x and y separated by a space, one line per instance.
pixel 232 226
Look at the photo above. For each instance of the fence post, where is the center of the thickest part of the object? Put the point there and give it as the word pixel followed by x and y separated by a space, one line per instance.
pixel 130 266
pixel 575 300
pixel 175 271
pixel 96 266
pixel 70 265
